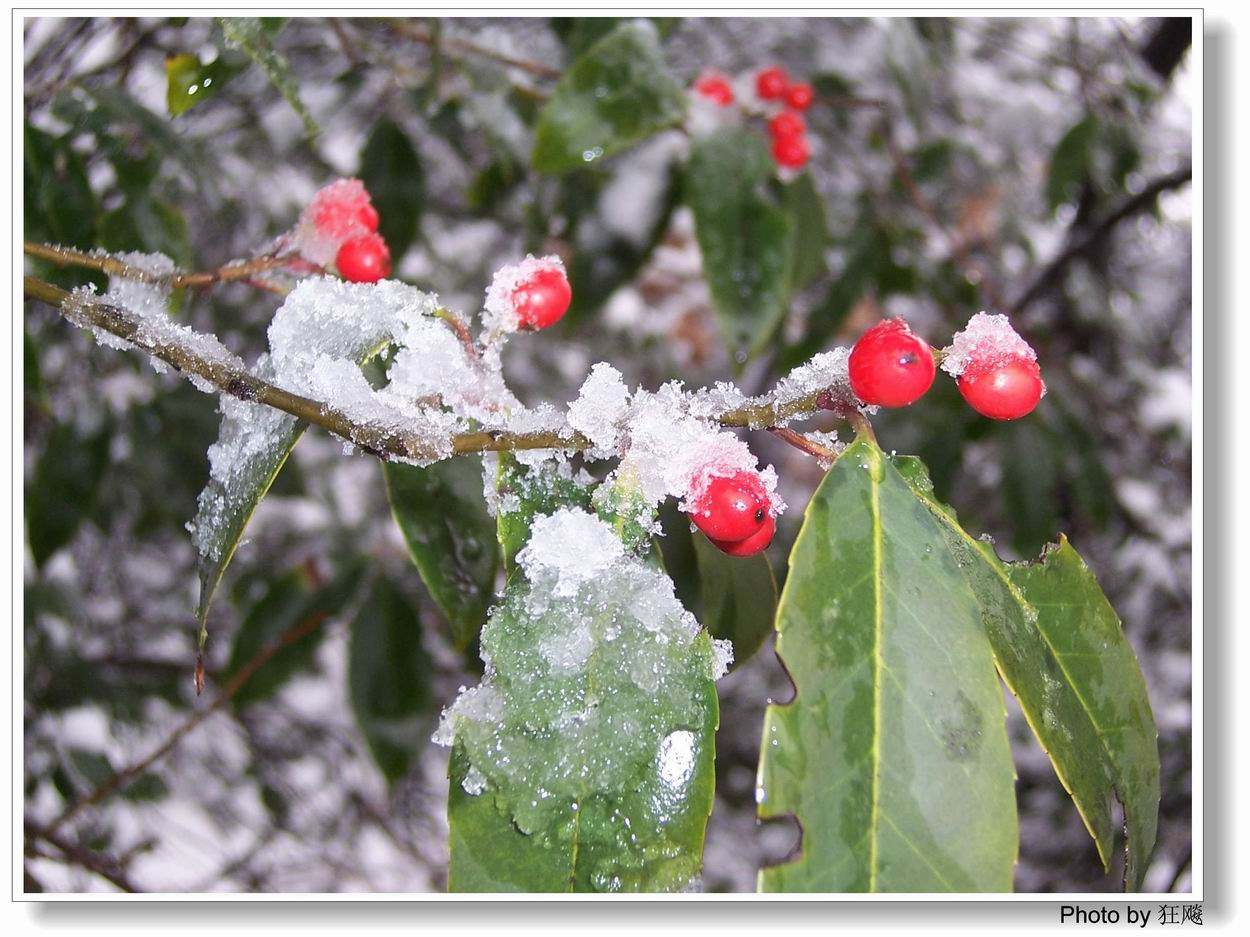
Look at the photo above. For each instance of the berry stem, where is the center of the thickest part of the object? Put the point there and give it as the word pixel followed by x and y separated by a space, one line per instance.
pixel 461 328
pixel 863 428
pixel 803 444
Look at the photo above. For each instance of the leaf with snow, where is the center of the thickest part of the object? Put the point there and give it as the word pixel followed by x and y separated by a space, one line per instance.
pixel 322 321
pixel 583 761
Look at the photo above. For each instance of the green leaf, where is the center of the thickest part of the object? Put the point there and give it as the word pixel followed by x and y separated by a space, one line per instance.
pixel 289 604
pixel 525 494
pixel 226 504
pixel 894 755
pixel 744 235
pixel 1086 637
pixel 739 597
pixel 1070 162
pixel 59 204
pixel 188 81
pixel 450 537
pixel 612 96
pixel 253 36
pixel 1060 661
pixel 63 488
pixel 389 673
pixel 809 231
pixel 391 171
pixel 585 760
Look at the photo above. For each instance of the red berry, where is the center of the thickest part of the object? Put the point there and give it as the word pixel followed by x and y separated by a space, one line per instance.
pixel 787 124
pixel 1002 390
pixel 543 299
pixel 364 259
pixel 751 545
pixel 890 366
pixel 799 96
pixel 732 508
pixel 791 152
pixel 771 83
pixel 716 88
pixel 367 215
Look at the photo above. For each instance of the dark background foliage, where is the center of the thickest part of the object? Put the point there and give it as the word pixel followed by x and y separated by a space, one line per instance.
pixel 1035 166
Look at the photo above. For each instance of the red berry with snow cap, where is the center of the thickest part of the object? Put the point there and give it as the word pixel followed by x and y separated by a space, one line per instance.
pixel 749 546
pixel 542 299
pixel 1002 390
pixel 771 83
pixel 732 508
pixel 799 96
pixel 891 366
pixel 364 259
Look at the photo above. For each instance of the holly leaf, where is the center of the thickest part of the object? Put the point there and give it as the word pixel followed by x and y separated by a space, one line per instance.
pixel 63 488
pixel 291 602
pixel 450 537
pixel 188 81
pixel 614 94
pixel 392 172
pixel 1060 649
pixel 389 673
pixel 744 234
pixel 585 760
pixel 893 755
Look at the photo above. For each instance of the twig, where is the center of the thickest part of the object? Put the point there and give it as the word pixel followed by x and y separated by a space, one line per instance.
pixel 113 266
pixel 804 444
pixel 376 440
pixel 73 855
pixel 122 778
pixel 1138 203
pixel 417 34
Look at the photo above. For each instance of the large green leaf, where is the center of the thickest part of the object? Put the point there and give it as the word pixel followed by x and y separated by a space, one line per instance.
pixel 894 755
pixel 739 597
pixel 585 759
pixel 63 488
pixel 391 171
pixel 1084 634
pixel 254 37
pixel 1074 674
pixel 59 204
pixel 744 234
pixel 809 230
pixel 389 673
pixel 1070 162
pixel 450 536
pixel 615 94
pixel 291 602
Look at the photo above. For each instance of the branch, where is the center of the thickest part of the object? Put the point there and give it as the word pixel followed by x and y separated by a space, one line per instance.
pixel 244 270
pixel 123 778
pixel 453 44
pixel 378 441
pixel 1138 203
pixel 74 855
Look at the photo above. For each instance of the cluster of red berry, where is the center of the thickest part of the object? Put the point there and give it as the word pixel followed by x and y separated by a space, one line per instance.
pixel 773 88
pixel 891 366
pixel 343 214
pixel 787 127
